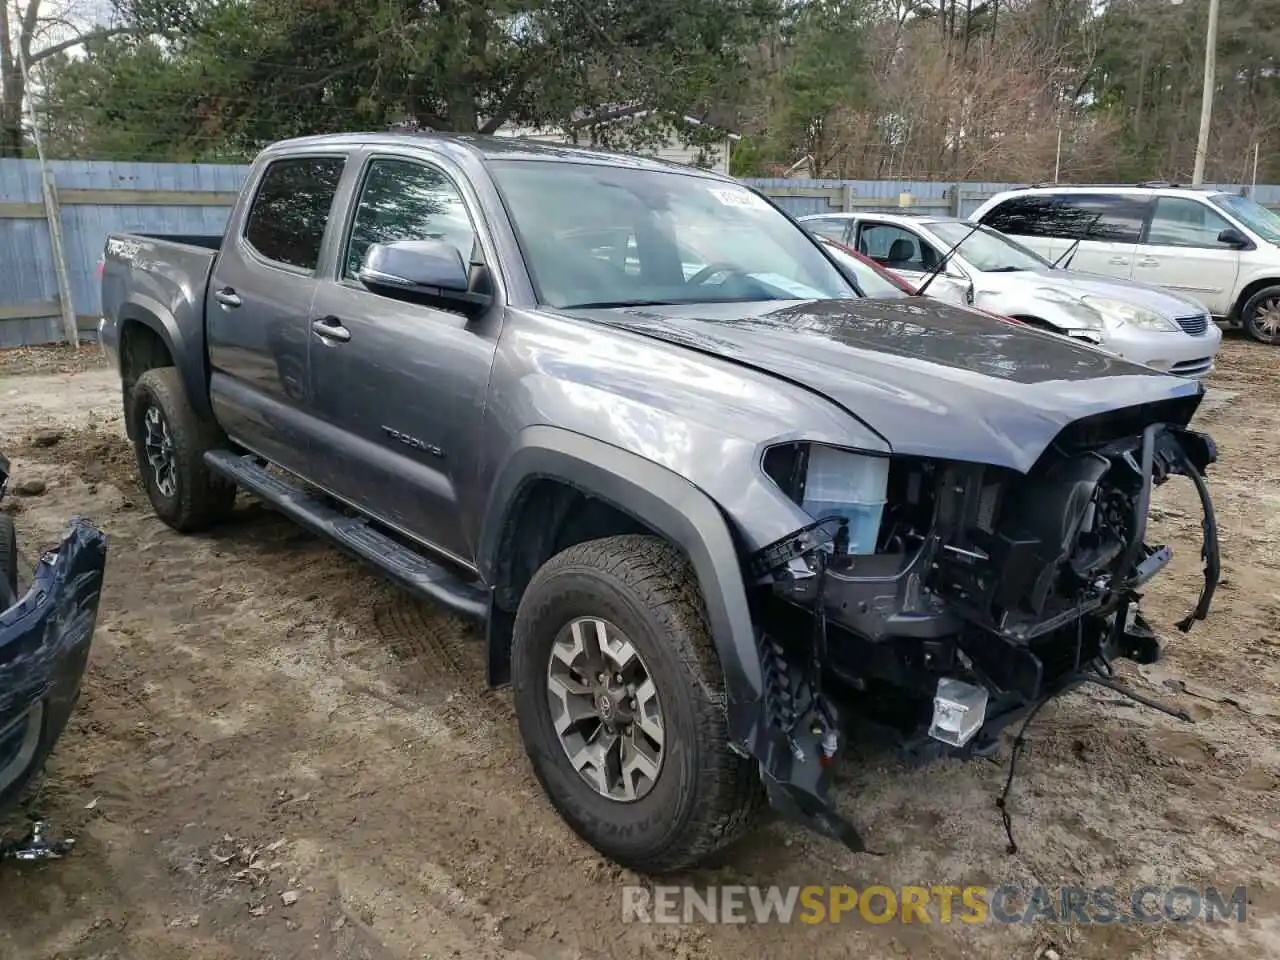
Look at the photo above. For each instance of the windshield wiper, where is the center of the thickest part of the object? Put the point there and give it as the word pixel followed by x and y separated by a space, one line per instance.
pixel 616 304
pixel 1068 255
pixel 942 264
pixel 1006 270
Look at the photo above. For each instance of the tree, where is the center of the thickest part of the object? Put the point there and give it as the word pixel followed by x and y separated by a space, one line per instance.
pixel 245 73
pixel 34 31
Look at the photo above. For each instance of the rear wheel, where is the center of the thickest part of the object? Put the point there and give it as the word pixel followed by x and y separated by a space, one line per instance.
pixel 1261 315
pixel 619 696
pixel 169 443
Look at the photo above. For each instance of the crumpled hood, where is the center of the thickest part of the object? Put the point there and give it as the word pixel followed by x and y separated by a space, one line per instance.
pixel 1079 283
pixel 932 379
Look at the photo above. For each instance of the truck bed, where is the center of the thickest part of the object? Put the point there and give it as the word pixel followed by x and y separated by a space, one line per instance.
pixel 208 241
pixel 161 281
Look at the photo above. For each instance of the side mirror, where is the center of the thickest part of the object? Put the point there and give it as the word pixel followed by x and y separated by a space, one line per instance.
pixel 1231 237
pixel 421 270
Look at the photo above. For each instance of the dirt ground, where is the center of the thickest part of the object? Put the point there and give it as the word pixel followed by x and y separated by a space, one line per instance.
pixel 256 698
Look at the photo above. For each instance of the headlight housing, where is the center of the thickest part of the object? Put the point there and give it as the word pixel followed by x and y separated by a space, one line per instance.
pixel 1121 313
pixel 829 481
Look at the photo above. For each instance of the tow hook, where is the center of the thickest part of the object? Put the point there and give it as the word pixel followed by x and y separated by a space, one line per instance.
pixel 36 846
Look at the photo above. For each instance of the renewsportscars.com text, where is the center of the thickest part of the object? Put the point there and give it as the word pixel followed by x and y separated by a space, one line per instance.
pixel 938 904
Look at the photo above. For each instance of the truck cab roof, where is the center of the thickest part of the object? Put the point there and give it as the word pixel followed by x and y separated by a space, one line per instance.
pixel 489 148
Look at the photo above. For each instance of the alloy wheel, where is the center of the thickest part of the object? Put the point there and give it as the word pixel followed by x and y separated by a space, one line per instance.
pixel 158 446
pixel 605 709
pixel 1266 317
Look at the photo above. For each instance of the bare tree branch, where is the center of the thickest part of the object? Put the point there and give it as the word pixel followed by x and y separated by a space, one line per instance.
pixel 100 34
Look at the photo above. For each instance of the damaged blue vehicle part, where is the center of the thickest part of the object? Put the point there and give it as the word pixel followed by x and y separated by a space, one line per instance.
pixel 44 647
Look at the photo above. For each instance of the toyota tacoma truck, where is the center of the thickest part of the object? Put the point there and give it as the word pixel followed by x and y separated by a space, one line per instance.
pixel 715 508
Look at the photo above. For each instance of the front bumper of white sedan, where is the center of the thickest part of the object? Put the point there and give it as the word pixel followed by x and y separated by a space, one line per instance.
pixel 1189 352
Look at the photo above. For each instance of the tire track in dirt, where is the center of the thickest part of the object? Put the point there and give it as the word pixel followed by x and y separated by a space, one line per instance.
pixel 342 697
pixel 444 653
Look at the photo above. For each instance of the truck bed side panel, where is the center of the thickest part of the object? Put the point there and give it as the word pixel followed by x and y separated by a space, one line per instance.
pixel 159 284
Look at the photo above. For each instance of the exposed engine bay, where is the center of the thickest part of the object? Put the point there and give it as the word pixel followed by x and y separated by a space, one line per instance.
pixel 986 593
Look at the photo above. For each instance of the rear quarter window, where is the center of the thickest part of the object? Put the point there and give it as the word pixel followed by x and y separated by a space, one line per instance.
pixel 291 209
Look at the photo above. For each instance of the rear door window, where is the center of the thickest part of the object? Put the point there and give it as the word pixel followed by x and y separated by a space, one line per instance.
pixel 1111 218
pixel 1108 218
pixel 291 210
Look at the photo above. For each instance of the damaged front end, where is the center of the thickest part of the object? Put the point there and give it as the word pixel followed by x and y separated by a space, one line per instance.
pixel 44 647
pixel 945 599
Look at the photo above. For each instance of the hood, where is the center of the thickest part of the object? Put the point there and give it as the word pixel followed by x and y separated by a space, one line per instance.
pixel 932 379
pixel 1077 284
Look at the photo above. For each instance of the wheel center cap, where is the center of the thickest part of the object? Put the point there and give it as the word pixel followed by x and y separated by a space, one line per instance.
pixel 605 705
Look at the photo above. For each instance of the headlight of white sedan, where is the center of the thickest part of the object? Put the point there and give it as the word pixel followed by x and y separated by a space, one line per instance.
pixel 1120 313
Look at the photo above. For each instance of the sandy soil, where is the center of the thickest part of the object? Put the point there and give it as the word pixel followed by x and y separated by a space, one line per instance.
pixel 265 716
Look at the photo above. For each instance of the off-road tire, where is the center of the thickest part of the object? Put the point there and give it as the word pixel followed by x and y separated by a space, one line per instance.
pixel 8 562
pixel 1249 315
pixel 201 498
pixel 705 796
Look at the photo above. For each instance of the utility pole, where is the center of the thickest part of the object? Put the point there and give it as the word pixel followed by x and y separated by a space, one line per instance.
pixel 1206 97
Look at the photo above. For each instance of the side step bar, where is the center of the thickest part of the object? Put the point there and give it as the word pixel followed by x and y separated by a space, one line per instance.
pixel 355 534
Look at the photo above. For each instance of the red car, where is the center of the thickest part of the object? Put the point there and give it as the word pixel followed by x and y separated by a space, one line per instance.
pixel 872 279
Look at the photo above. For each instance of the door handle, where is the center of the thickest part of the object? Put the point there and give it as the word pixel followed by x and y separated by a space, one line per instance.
pixel 331 328
pixel 1148 262
pixel 227 297
pixel 1119 261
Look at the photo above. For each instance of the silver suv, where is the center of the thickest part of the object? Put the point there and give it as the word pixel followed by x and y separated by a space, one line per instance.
pixel 1220 248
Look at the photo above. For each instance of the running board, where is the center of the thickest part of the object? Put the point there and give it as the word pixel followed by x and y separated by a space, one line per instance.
pixel 356 535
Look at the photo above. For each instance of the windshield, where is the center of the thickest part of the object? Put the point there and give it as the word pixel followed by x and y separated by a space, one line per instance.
pixel 873 282
pixel 599 236
pixel 1251 213
pixel 986 250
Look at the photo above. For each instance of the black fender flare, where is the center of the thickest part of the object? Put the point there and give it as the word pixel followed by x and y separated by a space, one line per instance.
pixel 188 356
pixel 667 503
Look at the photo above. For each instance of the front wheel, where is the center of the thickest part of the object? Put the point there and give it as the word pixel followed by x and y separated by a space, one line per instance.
pixel 169 443
pixel 1261 316
pixel 619 697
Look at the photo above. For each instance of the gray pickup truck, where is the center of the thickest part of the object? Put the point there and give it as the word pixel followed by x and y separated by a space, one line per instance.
pixel 716 508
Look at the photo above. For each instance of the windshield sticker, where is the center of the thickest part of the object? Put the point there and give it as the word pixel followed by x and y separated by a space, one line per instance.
pixel 737 198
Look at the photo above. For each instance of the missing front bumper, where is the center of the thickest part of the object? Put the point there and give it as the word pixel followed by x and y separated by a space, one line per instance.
pixel 44 647
pixel 797 729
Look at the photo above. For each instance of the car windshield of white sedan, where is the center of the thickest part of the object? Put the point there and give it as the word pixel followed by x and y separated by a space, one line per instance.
pixel 987 250
pixel 612 236
pixel 1251 213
